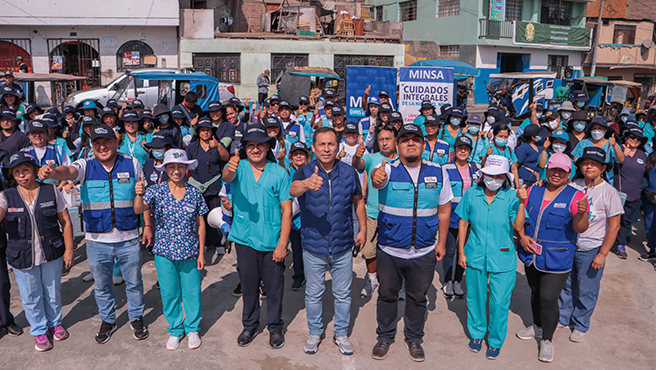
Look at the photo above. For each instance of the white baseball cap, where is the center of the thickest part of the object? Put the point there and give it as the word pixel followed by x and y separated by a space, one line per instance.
pixel 497 165
pixel 177 156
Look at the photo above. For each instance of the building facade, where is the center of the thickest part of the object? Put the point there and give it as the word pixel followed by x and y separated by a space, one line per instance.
pixel 494 35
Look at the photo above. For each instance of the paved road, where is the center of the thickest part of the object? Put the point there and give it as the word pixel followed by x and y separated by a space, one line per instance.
pixel 622 336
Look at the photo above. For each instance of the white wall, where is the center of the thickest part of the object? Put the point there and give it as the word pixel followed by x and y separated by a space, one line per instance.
pixel 256 54
pixel 486 56
pixel 90 12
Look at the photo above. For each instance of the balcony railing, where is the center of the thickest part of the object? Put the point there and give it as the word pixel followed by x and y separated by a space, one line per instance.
pixel 495 29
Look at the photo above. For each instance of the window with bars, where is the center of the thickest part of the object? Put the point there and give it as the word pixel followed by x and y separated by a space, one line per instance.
pixel 448 8
pixel 379 13
pixel 450 50
pixel 557 12
pixel 624 34
pixel 226 67
pixel 557 63
pixel 408 11
pixel 513 10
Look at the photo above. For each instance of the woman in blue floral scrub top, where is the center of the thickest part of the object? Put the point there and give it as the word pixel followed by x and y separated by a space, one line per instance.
pixel 178 210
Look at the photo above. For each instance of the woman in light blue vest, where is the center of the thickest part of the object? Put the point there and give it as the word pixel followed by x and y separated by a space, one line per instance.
pixel 493 209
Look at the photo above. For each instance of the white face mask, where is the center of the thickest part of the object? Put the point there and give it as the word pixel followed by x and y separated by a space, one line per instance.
pixel 553 124
pixel 492 184
pixel 597 134
pixel 491 119
pixel 559 148
pixel 566 115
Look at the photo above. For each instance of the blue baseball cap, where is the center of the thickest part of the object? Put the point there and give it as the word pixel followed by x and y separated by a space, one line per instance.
pixel 373 100
pixel 89 104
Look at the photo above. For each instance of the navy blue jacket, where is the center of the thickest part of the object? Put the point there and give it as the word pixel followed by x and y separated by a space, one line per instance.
pixel 327 214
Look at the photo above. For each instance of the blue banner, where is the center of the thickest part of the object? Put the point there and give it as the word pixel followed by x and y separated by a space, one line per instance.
pixel 358 78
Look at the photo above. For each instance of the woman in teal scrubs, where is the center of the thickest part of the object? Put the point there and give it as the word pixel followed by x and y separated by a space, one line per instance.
pixel 493 209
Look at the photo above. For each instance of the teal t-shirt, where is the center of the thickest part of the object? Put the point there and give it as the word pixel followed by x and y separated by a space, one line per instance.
pixel 134 149
pixel 370 162
pixel 257 215
pixel 62 143
pixel 507 152
pixel 445 135
pixel 419 120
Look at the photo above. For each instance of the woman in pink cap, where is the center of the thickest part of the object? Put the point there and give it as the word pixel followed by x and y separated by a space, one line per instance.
pixel 557 213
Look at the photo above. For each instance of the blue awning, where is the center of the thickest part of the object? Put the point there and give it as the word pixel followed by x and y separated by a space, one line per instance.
pixel 460 68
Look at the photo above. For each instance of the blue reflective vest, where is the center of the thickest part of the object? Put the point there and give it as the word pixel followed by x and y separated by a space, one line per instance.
pixel 408 213
pixel 20 249
pixel 440 153
pixel 50 156
pixel 456 187
pixel 108 197
pixel 552 228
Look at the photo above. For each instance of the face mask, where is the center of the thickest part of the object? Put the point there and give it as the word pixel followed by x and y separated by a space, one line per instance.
pixel 579 126
pixel 501 142
pixel 580 104
pixel 598 134
pixel 158 153
pixel 538 115
pixel 491 119
pixel 163 119
pixel 566 115
pixel 474 129
pixel 553 124
pixel 559 148
pixel 624 118
pixel 538 138
pixel 454 121
pixel 492 184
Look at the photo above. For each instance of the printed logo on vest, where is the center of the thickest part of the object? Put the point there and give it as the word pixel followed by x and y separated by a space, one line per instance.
pixel 123 175
pixel 47 204
pixel 431 182
pixel 440 152
pixel 560 205
pixel 19 210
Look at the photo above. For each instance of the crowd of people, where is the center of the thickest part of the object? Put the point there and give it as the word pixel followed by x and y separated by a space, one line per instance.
pixel 468 191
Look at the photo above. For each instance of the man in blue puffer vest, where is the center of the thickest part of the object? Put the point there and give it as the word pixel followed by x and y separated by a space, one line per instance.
pixel 107 194
pixel 327 190
pixel 414 200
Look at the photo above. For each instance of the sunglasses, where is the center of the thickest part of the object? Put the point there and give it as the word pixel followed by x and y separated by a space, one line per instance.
pixel 302 103
pixel 275 104
pixel 632 137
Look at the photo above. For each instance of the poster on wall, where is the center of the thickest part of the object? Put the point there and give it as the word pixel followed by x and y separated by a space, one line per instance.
pixel 358 78
pixel 57 63
pixel 424 83
pixel 131 58
pixel 527 33
pixel 497 10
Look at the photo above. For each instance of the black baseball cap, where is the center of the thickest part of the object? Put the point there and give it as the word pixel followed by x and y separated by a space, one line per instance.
pixel 304 99
pixel 130 116
pixel 138 103
pixel 351 128
pixel 214 106
pixel 16 159
pixel 272 121
pixel 383 93
pixel 432 120
pixel 102 131
pixel 299 145
pixel 37 125
pixel 385 108
pixel 337 109
pixel 160 140
pixel 463 140
pixel 592 152
pixel 329 94
pixel 410 128
pixel 426 104
pixel 284 104
pixel 395 116
pixel 89 120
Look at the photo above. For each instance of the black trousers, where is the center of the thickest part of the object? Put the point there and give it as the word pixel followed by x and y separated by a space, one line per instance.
pixel 630 208
pixel 6 318
pixel 256 266
pixel 418 275
pixel 212 235
pixel 261 97
pixel 297 255
pixel 545 290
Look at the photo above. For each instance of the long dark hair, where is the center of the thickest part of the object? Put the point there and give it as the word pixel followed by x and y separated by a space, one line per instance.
pixel 506 182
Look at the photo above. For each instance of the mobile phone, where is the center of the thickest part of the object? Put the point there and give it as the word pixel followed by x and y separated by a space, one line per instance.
pixel 356 249
pixel 537 247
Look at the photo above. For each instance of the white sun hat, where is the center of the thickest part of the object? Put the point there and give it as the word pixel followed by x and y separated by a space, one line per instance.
pixel 497 165
pixel 177 156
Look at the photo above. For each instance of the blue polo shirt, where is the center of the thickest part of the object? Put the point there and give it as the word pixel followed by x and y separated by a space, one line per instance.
pixel 256 205
pixel 372 161
pixel 490 246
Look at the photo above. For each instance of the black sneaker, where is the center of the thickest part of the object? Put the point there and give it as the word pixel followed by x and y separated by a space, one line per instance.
pixel 276 339
pixel 105 332
pixel 262 291
pixel 139 328
pixel 297 285
pixel 237 291
pixel 14 330
pixel 246 337
pixel 620 251
pixel 648 256
pixel 380 350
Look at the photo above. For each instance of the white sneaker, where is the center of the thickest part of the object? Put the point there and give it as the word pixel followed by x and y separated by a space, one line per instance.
pixel 457 289
pixel 173 343
pixel 546 351
pixel 577 336
pixel 87 278
pixel 369 288
pixel 561 326
pixel 194 340
pixel 312 344
pixel 344 344
pixel 529 332
pixel 117 280
pixel 447 289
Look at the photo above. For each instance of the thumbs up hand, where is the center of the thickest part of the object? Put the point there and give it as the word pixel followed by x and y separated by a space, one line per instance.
pixel 46 172
pixel 379 176
pixel 315 181
pixel 582 205
pixel 367 91
pixel 522 193
pixel 233 164
pixel 140 187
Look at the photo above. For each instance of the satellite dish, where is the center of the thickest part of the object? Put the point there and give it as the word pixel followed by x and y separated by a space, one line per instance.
pixel 647 43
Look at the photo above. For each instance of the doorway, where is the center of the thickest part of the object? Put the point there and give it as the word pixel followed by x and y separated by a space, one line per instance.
pixel 78 57
pixel 510 62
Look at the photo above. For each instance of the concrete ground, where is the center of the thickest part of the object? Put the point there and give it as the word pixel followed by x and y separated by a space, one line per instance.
pixel 622 335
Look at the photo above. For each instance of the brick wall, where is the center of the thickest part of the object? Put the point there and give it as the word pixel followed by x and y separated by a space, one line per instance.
pixel 612 9
pixel 250 16
pixel 642 9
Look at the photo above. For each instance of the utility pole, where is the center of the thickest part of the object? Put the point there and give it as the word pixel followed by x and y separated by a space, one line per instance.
pixel 596 43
